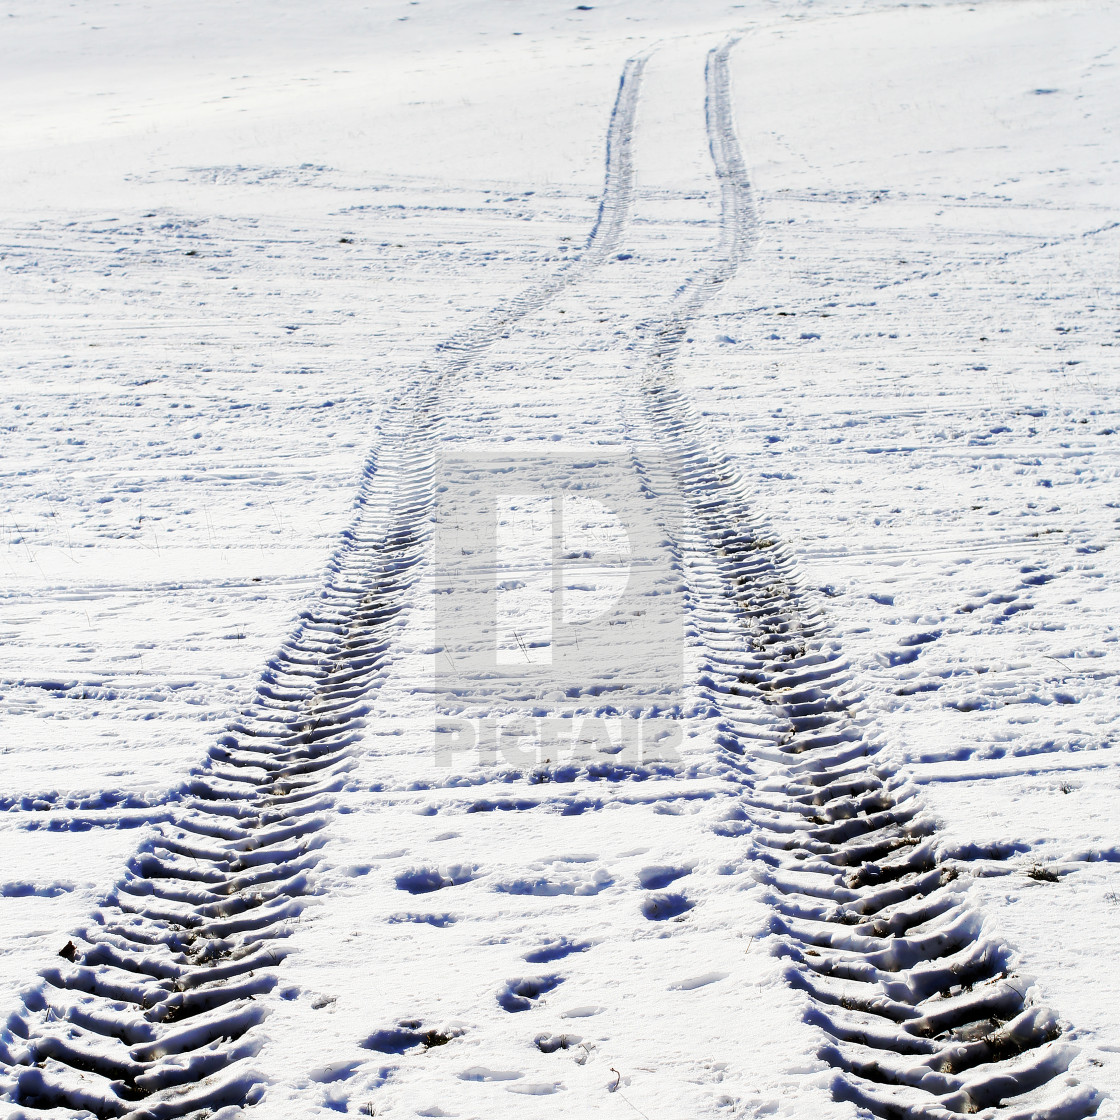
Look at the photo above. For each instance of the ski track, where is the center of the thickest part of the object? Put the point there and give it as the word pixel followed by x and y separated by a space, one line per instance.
pixel 154 1013
pixel 151 1014
pixel 921 1013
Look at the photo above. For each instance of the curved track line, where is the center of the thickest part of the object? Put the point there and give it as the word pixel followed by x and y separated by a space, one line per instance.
pixel 920 1013
pixel 151 1013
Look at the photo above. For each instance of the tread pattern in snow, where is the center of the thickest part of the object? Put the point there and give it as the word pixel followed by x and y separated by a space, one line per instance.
pixel 152 1013
pixel 920 1012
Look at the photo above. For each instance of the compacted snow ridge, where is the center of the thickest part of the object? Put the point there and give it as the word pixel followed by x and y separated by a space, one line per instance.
pixel 701 699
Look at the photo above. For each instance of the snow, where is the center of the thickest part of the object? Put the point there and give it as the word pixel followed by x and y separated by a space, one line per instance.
pixel 476 476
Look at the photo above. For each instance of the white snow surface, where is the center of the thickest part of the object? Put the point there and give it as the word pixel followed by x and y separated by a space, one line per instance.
pixel 279 277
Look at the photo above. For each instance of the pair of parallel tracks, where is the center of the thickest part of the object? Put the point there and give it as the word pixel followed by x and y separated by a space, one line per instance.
pixel 155 1011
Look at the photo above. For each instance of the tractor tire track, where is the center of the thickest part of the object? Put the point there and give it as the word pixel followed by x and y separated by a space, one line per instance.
pixel 920 1013
pixel 153 1011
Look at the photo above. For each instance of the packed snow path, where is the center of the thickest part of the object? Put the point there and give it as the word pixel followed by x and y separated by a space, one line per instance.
pixel 157 1010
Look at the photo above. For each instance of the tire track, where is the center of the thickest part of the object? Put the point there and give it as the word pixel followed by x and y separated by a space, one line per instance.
pixel 920 1012
pixel 153 1011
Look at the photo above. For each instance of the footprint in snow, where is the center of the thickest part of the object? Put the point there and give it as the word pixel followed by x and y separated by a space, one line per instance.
pixel 550 1043
pixel 660 907
pixel 424 880
pixel 408 1035
pixel 520 995
pixel 555 950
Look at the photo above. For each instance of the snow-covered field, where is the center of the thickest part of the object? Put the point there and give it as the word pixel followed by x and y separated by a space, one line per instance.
pixel 560 560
